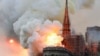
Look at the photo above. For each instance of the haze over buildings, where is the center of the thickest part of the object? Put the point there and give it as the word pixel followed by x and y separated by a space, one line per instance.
pixel 11 10
pixel 86 17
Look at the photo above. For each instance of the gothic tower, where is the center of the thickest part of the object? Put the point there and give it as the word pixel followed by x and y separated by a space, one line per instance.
pixel 66 23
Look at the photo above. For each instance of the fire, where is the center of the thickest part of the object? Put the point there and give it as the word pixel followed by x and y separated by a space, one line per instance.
pixel 53 40
pixel 11 41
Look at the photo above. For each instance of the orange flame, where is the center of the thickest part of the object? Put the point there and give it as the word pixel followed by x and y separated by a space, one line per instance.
pixel 53 40
pixel 11 41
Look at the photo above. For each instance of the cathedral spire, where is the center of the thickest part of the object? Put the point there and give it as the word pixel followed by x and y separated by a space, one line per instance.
pixel 66 22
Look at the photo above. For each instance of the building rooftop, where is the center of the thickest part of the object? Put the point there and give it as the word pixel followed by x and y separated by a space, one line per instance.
pixel 94 28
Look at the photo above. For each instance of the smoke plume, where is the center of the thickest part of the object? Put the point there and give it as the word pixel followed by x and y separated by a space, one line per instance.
pixel 33 23
pixel 37 41
pixel 22 19
pixel 24 13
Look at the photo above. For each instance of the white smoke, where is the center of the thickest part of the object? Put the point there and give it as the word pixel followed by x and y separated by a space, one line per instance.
pixel 24 13
pixel 33 20
pixel 12 11
pixel 36 42
pixel 8 15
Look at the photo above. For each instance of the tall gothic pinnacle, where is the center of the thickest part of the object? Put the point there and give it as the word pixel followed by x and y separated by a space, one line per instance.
pixel 66 22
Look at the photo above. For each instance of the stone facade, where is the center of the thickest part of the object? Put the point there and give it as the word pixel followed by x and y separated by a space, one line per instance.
pixel 56 51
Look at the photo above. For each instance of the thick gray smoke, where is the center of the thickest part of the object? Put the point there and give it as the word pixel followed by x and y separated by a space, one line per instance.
pixel 19 17
pixel 10 11
pixel 32 20
pixel 39 32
